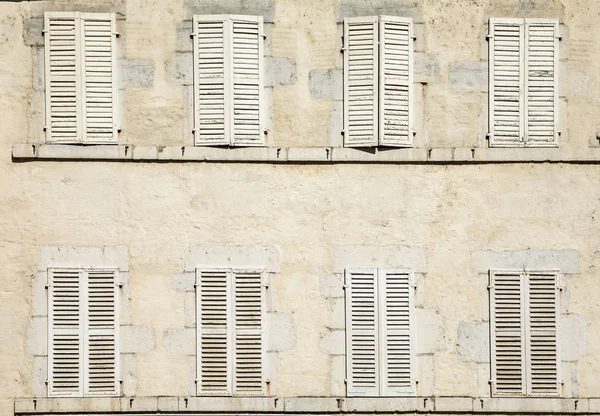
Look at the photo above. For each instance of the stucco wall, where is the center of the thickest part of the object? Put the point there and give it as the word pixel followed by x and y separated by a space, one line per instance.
pixel 306 212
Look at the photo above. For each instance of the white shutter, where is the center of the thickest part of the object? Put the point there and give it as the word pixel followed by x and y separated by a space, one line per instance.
pixel 249 347
pixel 214 321
pixel 395 81
pixel 396 333
pixel 361 81
pixel 542 323
pixel 211 80
pixel 507 312
pixel 65 329
pixel 541 63
pixel 99 88
pixel 506 75
pixel 62 77
pixel 101 332
pixel 246 67
pixel 362 341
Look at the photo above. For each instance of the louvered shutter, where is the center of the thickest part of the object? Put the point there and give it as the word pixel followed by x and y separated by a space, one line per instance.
pixel 542 324
pixel 214 322
pixel 102 328
pixel 249 343
pixel 99 88
pixel 62 77
pixel 65 329
pixel 506 74
pixel 507 324
pixel 395 81
pixel 212 80
pixel 361 81
pixel 362 341
pixel 541 38
pixel 396 329
pixel 247 56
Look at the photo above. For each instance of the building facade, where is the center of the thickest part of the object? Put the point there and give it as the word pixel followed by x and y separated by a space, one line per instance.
pixel 289 206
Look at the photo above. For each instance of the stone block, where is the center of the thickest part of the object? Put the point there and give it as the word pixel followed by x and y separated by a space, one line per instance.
pixel 168 404
pixel 473 342
pixel 33 31
pixel 264 8
pixel 179 68
pixel 281 330
pixel 128 374
pixel 326 84
pixel 39 301
pixel 266 258
pixel 271 372
pixel 184 41
pixel 180 341
pixel 135 73
pixel 338 375
pixel 84 256
pixel 184 282
pixel 380 256
pixel 332 286
pixel 425 375
pixel 430 331
pixel 357 8
pixel 469 75
pixel 136 339
pixel 40 375
pixel 567 261
pixel 337 313
pixel 139 404
pixel 453 404
pixel 426 68
pixel 335 125
pixel 279 71
pixel 333 342
pixel 311 404
pixel 573 336
pixel 37 336
pixel 38 69
pixel 189 309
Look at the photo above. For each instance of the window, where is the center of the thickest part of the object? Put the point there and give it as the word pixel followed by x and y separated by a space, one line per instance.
pixel 230 332
pixel 523 321
pixel 378 73
pixel 80 69
pixel 228 80
pixel 523 92
pixel 379 332
pixel 83 356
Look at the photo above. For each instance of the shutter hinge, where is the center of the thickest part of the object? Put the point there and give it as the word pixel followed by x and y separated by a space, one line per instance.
pixel 342 50
pixel 488 37
pixel 559 37
pixel 490 287
pixel 487 135
pixel 343 132
pixel 195 285
pixel 117 34
pixel 46 381
pixel 47 286
pixel 345 381
pixel 193 131
pixel 43 32
pixel 414 133
pixel 120 381
pixel 262 35
pixel 413 37
pixel 120 284
pixel 344 286
pixel 192 36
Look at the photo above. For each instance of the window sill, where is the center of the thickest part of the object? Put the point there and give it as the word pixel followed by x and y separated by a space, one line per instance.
pixel 325 155
pixel 294 405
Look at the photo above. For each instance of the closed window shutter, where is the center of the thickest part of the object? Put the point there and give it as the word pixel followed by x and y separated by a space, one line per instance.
pixel 213 306
pixel 543 378
pixel 65 333
pixel 542 82
pixel 395 89
pixel 211 80
pixel 247 55
pixel 362 341
pixel 361 81
pixel 63 78
pixel 507 323
pixel 102 358
pixel 248 363
pixel 506 91
pixel 99 61
pixel 396 341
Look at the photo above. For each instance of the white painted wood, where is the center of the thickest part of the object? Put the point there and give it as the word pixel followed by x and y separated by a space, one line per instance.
pixel 396 339
pixel 212 80
pixel 361 81
pixel 541 82
pixel 395 81
pixel 506 78
pixel 362 340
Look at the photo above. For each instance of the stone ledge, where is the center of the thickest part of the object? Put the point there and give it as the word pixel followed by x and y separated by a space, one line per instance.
pixel 325 155
pixel 312 405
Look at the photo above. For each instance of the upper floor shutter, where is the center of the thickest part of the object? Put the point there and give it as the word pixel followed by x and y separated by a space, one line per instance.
pixel 507 324
pixel 362 340
pixel 361 81
pixel 213 306
pixel 249 342
pixel 63 78
pixel 541 38
pixel 395 81
pixel 542 315
pixel 102 329
pixel 506 73
pixel 396 327
pixel 65 333
pixel 98 71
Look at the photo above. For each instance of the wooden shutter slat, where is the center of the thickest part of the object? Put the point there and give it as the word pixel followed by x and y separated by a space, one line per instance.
pixel 395 81
pixel 361 74
pixel 362 341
